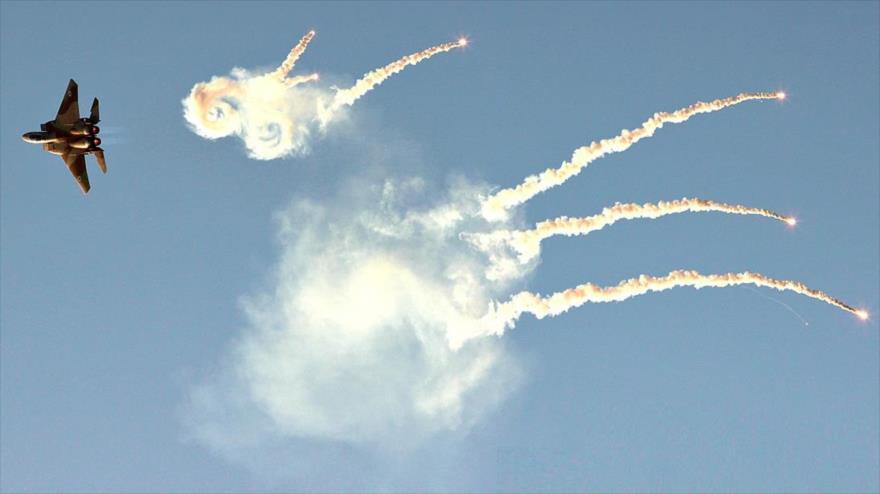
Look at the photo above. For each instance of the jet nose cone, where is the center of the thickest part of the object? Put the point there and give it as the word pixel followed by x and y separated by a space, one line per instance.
pixel 26 137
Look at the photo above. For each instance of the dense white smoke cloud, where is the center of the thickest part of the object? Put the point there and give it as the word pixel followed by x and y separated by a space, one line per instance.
pixel 352 341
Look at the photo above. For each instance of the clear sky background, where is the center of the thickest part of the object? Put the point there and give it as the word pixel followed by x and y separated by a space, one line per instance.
pixel 115 305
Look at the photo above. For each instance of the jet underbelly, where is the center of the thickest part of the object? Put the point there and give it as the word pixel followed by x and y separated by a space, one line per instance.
pixel 58 148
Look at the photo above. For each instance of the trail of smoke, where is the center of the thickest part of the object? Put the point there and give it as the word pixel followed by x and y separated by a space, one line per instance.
pixel 297 51
pixel 377 76
pixel 527 242
pixel 494 207
pixel 780 302
pixel 299 79
pixel 505 314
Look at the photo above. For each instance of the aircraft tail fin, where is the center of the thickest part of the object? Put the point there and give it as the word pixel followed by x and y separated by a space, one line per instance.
pixel 93 116
pixel 99 157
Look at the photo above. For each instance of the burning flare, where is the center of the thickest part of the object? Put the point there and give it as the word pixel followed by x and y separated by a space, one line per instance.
pixel 494 207
pixel 297 51
pixel 505 314
pixel 375 77
pixel 527 242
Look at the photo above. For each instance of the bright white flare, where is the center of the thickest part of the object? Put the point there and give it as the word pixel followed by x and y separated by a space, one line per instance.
pixel 862 314
pixel 494 207
pixel 297 51
pixel 527 242
pixel 503 315
pixel 347 97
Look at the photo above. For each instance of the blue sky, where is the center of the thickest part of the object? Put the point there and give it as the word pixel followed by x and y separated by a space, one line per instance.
pixel 119 307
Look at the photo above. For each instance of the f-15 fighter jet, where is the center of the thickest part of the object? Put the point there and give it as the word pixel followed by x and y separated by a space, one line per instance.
pixel 72 137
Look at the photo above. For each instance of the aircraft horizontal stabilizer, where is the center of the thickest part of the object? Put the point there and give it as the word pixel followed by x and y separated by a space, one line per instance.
pixel 99 157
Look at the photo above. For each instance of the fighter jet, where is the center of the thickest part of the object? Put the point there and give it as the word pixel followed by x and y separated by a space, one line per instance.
pixel 72 137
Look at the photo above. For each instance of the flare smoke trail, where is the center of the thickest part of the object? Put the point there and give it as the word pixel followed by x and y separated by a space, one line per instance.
pixel 527 242
pixel 504 315
pixel 300 79
pixel 375 77
pixel 297 51
pixel 494 206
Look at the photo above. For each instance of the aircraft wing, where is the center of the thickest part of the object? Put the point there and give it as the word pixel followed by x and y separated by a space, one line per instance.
pixel 76 163
pixel 68 113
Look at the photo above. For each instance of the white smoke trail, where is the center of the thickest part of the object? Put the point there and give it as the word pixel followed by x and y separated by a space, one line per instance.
pixel 300 79
pixel 375 77
pixel 495 206
pixel 504 315
pixel 297 51
pixel 527 242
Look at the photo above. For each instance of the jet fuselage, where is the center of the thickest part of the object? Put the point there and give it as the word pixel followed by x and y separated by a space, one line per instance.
pixel 82 134
pixel 72 137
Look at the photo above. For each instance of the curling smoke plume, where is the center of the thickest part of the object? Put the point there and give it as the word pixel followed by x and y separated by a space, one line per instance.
pixel 351 341
pixel 270 112
pixel 274 113
pixel 373 78
pixel 527 242
pixel 495 206
pixel 505 314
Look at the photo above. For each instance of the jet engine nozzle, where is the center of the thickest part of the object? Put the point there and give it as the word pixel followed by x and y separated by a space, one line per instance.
pixel 84 128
